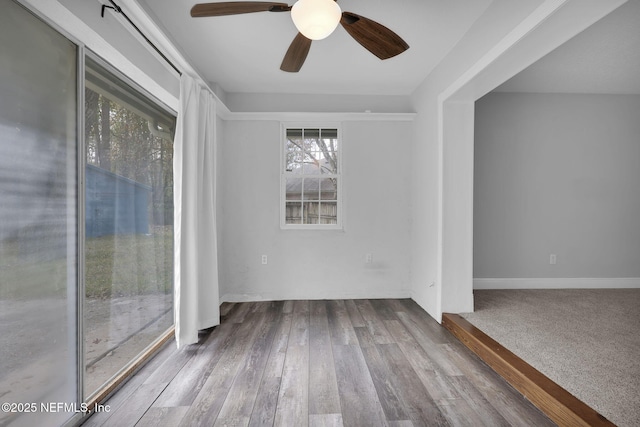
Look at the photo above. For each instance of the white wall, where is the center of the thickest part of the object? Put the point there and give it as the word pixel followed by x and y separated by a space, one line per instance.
pixel 315 264
pixel 429 156
pixel 508 37
pixel 326 103
pixel 557 173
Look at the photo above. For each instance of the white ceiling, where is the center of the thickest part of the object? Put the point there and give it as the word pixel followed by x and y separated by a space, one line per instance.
pixel 242 53
pixel 604 58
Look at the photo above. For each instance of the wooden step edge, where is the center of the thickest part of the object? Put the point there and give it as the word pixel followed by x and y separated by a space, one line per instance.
pixel 557 403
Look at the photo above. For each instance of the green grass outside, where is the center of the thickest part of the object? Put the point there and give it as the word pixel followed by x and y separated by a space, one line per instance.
pixel 125 265
pixel 115 266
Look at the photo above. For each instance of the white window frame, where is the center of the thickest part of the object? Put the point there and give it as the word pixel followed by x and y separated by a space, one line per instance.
pixel 284 126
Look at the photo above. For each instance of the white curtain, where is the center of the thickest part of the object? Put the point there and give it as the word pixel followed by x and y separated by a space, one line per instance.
pixel 196 261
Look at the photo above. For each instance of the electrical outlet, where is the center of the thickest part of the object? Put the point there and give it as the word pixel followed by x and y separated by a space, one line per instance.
pixel 553 259
pixel 264 259
pixel 368 259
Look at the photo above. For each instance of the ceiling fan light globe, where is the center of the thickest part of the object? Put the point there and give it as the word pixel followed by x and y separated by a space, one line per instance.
pixel 316 19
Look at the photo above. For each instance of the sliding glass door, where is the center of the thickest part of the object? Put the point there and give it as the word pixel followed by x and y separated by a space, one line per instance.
pixel 129 223
pixel 86 222
pixel 38 220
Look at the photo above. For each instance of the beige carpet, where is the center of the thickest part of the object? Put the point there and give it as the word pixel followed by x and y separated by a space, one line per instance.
pixel 586 340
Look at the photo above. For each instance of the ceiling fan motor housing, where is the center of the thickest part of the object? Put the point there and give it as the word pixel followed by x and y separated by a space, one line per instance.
pixel 316 19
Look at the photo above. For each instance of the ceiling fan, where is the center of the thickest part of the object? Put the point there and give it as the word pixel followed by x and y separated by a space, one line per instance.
pixel 315 20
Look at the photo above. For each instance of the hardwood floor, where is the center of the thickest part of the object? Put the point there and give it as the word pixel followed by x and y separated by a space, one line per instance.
pixel 320 363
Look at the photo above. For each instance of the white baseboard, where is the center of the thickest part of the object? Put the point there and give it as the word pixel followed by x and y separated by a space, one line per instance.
pixel 558 283
pixel 276 296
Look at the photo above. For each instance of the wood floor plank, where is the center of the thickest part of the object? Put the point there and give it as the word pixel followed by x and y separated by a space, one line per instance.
pixel 232 422
pixel 278 351
pixel 374 322
pixel 381 375
pixel 359 399
pixel 129 388
pixel 398 305
pixel 264 409
pixel 225 307
pixel 165 373
pixel 323 385
pixel 300 323
pixel 239 312
pixel 325 420
pixel 365 339
pixel 133 410
pixel 155 417
pixel 354 314
pixel 403 423
pixel 512 405
pixel 209 401
pixel 430 345
pixel 486 414
pixel 185 386
pixel 288 306
pixel 414 352
pixel 383 309
pixel 441 388
pixel 340 326
pixel 242 394
pixel 431 328
pixel 293 398
pixel 444 394
pixel 418 402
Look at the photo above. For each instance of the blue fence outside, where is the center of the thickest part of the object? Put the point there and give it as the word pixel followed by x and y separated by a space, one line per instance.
pixel 115 204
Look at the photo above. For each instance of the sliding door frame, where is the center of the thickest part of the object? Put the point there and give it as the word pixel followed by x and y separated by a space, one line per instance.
pixel 77 319
pixel 81 197
pixel 113 383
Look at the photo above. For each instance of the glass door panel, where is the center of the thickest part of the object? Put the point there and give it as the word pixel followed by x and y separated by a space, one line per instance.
pixel 129 223
pixel 38 221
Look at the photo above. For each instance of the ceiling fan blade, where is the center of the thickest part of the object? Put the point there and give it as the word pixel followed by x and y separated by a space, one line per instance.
pixel 374 37
pixel 296 54
pixel 236 7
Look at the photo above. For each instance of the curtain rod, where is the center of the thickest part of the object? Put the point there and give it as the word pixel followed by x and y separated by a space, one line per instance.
pixel 118 9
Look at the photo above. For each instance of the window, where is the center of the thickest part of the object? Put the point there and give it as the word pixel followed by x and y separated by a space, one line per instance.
pixel 311 177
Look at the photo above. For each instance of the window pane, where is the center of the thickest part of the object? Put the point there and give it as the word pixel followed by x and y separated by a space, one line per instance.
pixel 38 217
pixel 294 134
pixel 311 134
pixel 327 147
pixel 328 213
pixel 329 189
pixel 294 156
pixel 312 159
pixel 311 213
pixel 129 224
pixel 311 189
pixel 293 214
pixel 294 188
